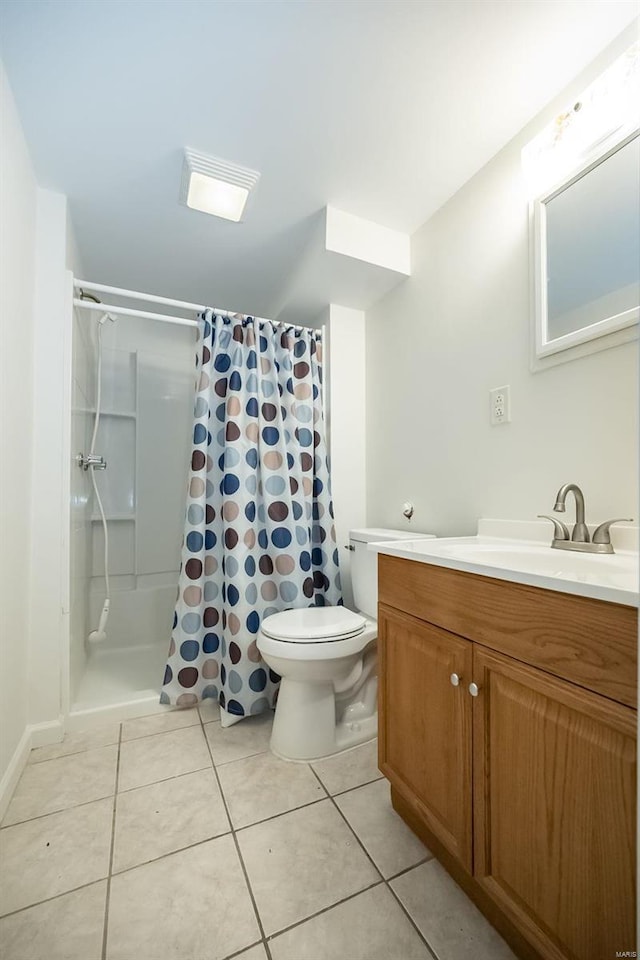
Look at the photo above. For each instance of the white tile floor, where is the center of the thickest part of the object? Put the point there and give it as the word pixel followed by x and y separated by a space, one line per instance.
pixel 169 838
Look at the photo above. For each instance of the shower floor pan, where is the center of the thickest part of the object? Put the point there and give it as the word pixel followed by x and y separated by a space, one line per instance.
pixel 120 682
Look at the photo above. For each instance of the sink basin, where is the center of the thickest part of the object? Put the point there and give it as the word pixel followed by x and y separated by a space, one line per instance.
pixel 611 568
pixel 612 577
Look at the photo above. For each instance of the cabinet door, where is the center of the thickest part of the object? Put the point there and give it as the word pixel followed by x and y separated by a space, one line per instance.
pixel 425 724
pixel 554 808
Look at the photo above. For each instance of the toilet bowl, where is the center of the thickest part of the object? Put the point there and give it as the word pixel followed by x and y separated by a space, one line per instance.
pixel 318 652
pixel 327 659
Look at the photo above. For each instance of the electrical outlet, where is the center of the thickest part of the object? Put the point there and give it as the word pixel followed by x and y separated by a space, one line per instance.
pixel 500 405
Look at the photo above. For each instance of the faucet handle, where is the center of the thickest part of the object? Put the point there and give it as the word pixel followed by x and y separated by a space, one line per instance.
pixel 560 529
pixel 601 533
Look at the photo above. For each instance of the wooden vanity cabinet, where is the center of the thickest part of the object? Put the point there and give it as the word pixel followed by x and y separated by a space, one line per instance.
pixel 426 746
pixel 554 808
pixel 526 792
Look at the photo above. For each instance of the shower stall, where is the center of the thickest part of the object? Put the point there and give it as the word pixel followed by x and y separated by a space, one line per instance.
pixel 132 434
pixel 146 411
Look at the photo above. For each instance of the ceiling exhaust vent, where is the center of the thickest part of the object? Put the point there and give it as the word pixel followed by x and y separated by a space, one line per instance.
pixel 215 186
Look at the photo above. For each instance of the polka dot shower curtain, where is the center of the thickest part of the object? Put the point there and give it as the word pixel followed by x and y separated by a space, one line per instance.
pixel 259 534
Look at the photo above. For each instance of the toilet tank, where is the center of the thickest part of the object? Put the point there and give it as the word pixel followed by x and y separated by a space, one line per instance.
pixel 364 564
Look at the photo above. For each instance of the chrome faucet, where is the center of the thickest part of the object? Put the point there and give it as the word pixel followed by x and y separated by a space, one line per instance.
pixel 579 538
pixel 580 533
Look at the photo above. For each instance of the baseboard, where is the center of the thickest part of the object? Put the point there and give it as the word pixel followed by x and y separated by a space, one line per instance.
pixel 34 735
pixel 44 733
pixel 14 770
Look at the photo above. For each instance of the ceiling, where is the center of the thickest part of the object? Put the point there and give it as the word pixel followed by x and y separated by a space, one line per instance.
pixel 382 108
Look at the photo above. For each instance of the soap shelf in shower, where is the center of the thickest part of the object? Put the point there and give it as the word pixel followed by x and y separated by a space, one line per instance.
pixel 113 516
pixel 127 414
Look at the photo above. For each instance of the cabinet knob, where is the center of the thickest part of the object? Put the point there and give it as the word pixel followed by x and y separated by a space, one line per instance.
pixel 474 689
pixel 455 679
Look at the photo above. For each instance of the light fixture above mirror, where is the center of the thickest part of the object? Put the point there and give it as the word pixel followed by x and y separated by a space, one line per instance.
pixel 583 172
pixel 600 117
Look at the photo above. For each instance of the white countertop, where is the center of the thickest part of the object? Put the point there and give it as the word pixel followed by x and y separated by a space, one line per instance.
pixel 531 561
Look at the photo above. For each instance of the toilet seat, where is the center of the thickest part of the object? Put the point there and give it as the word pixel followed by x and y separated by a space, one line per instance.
pixel 314 625
pixel 315 633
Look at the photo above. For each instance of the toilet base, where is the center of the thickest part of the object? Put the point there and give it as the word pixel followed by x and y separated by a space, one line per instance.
pixel 305 727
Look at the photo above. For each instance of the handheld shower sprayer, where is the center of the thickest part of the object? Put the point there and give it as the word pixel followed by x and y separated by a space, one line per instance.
pixel 97 636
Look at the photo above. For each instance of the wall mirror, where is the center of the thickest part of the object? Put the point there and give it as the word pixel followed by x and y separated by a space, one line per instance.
pixel 586 246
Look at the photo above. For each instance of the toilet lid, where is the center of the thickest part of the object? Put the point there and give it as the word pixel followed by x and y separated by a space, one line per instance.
pixel 313 624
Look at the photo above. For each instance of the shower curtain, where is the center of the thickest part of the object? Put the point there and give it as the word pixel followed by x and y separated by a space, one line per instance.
pixel 259 533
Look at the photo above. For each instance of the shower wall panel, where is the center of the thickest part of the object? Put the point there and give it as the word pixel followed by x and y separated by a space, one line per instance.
pixel 164 424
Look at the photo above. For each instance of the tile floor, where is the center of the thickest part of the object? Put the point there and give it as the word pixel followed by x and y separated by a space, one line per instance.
pixel 169 838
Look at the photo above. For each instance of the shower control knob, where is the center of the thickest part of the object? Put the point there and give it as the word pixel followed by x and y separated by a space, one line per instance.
pixel 474 689
pixel 349 546
pixel 91 460
pixel 455 680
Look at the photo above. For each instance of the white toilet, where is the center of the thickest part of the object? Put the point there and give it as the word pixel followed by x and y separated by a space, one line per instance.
pixel 327 659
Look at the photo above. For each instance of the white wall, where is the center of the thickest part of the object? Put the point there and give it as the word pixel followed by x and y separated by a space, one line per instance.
pixel 346 424
pixel 459 326
pixel 48 629
pixel 17 272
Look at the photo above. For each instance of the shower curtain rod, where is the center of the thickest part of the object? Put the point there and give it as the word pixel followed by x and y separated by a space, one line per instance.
pixel 165 301
pixel 128 312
